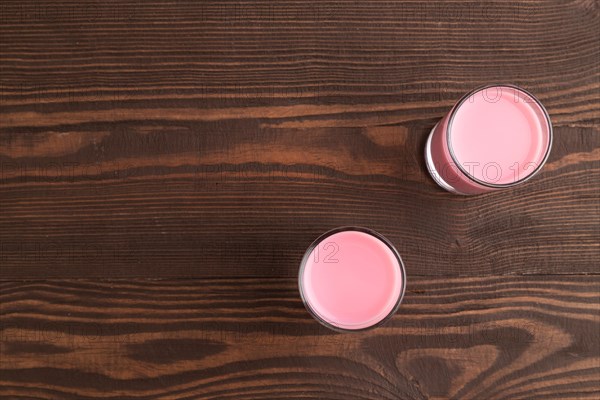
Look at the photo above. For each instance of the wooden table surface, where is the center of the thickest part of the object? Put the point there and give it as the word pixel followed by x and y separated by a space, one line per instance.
pixel 165 164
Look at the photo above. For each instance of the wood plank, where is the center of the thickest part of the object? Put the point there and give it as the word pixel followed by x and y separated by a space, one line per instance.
pixel 216 140
pixel 502 337
pixel 351 52
pixel 164 203
pixel 147 139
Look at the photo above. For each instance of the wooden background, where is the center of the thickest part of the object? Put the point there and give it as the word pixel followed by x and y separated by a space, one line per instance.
pixel 164 165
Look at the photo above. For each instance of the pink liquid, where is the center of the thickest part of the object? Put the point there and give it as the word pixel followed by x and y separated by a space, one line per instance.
pixel 352 280
pixel 495 138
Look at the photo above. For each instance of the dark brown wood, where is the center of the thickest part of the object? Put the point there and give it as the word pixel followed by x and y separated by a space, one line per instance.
pixel 213 141
pixel 501 337
pixel 155 139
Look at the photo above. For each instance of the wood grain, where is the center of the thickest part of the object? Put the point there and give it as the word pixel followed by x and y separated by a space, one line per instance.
pixel 219 139
pixel 462 338
pixel 143 142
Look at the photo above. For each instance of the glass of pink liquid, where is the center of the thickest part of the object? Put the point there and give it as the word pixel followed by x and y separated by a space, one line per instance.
pixel 495 137
pixel 351 279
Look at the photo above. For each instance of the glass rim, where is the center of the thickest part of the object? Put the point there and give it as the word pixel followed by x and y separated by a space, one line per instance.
pixel 490 184
pixel 320 239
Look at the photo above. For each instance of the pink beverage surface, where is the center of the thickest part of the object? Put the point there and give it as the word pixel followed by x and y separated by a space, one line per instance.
pixel 499 135
pixel 352 280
